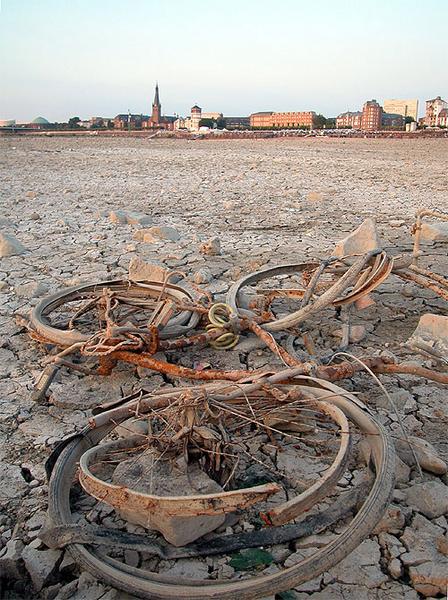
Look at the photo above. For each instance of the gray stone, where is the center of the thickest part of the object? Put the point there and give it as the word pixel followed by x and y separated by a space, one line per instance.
pixel 129 217
pixel 363 239
pixel 13 484
pixel 40 564
pixel 118 216
pixel 430 498
pixel 67 591
pixel 432 330
pixel 90 588
pixel 211 247
pixel 139 270
pixel 32 289
pixel 10 559
pixel 356 335
pixel 395 568
pixel 155 234
pixel 136 218
pixel 202 276
pixel 427 455
pixel 338 591
pixel 393 520
pixel 163 478
pixel 427 564
pixel 10 246
pixel 186 568
pixel 434 232
pixel 8 363
pixel 361 567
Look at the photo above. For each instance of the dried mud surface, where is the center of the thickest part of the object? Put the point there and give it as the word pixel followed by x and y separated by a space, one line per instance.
pixel 268 202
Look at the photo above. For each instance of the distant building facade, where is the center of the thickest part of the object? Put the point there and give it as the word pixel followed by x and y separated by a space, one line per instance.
pixel 405 108
pixel 39 123
pixel 195 117
pixel 371 116
pixel 443 118
pixel 192 123
pixel 392 121
pixel 129 121
pixel 433 109
pixel 261 119
pixel 283 120
pixel 237 122
pixel 349 119
pixel 153 121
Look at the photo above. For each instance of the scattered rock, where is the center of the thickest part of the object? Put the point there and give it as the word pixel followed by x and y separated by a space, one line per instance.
pixel 434 232
pixel 10 560
pixel 400 398
pixel 40 564
pixel 34 216
pixel 13 484
pixel 393 521
pixel 361 567
pixel 202 276
pixel 10 246
pixel 430 498
pixel 124 217
pixel 363 239
pixel 166 479
pixel 188 569
pixel 428 568
pixel 432 330
pixel 211 247
pixel 357 333
pixel 136 218
pixel 139 270
pixel 154 234
pixel 315 196
pixel 427 455
pixel 32 289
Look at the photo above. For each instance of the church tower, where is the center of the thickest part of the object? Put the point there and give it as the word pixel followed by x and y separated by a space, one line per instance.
pixel 156 108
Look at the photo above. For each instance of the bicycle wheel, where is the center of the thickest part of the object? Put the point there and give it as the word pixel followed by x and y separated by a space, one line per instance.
pixel 146 584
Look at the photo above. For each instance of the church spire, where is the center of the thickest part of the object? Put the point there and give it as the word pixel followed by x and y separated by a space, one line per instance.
pixel 156 95
pixel 156 108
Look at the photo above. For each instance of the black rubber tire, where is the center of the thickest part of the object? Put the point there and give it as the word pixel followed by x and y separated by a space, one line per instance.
pixel 149 585
pixel 178 326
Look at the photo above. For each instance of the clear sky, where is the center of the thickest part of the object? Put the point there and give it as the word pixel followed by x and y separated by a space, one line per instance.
pixel 62 58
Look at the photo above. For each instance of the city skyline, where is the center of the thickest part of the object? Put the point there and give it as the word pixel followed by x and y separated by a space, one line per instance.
pixel 60 59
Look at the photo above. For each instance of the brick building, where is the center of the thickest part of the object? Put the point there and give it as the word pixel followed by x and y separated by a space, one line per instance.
pixel 371 116
pixel 433 109
pixel 283 120
pixel 261 119
pixel 349 120
pixel 153 121
pixel 156 120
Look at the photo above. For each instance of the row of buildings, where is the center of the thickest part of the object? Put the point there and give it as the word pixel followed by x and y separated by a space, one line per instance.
pixel 373 117
pixel 395 114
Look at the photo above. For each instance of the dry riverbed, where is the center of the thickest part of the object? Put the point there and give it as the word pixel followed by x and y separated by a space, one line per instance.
pixel 267 202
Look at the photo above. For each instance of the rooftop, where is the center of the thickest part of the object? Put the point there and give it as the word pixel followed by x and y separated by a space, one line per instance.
pixel 40 121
